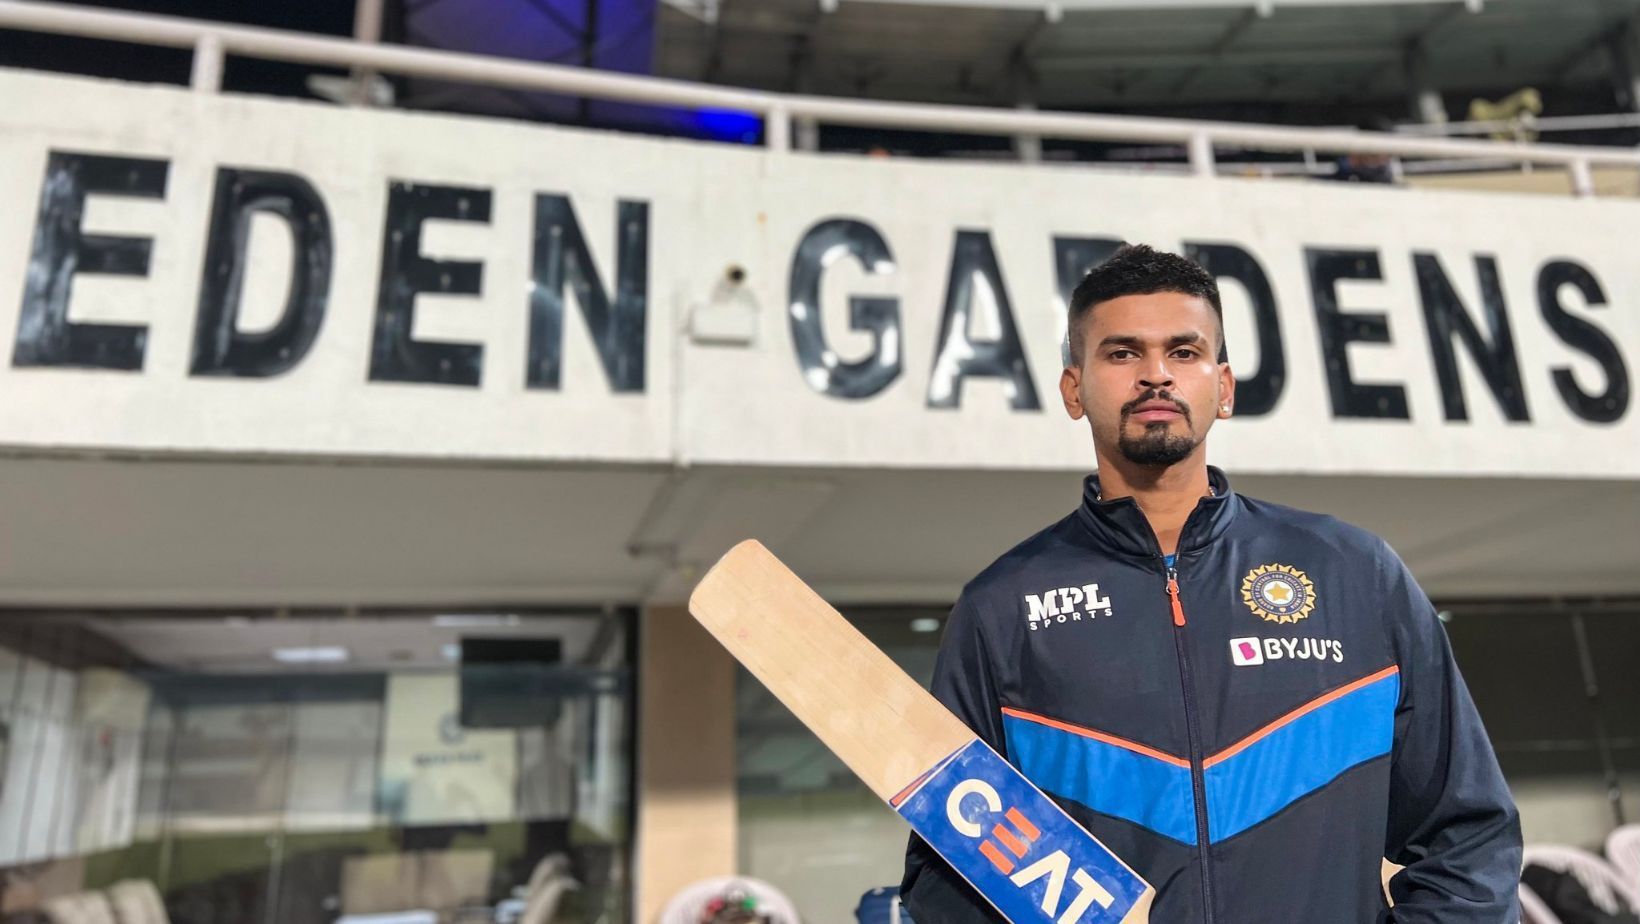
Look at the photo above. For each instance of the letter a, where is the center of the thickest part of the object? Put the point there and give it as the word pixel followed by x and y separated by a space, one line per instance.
pixel 1055 865
pixel 1091 892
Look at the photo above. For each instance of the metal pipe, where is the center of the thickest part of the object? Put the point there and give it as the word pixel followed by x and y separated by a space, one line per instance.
pixel 282 45
pixel 777 129
pixel 1200 148
pixel 367 29
pixel 1602 739
pixel 1582 179
pixel 206 76
pixel 295 47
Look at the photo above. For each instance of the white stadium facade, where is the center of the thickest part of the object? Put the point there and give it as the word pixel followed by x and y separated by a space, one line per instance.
pixel 375 383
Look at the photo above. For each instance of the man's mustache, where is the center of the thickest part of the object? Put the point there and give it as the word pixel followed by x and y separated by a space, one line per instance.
pixel 1156 395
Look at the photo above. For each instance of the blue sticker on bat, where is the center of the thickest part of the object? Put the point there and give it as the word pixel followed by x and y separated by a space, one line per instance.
pixel 1013 844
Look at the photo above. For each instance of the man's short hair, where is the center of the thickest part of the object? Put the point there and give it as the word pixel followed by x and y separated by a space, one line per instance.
pixel 1138 269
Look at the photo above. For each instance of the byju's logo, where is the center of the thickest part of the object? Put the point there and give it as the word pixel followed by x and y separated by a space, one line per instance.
pixel 1245 652
pixel 1065 604
pixel 1016 837
pixel 1249 652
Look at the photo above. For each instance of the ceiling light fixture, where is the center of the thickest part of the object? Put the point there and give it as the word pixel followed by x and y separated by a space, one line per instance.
pixel 470 620
pixel 323 654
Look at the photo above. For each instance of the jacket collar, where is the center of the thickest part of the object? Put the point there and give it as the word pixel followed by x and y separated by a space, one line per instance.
pixel 1120 525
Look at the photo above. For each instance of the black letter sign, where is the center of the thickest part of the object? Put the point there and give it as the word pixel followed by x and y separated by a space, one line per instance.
pixel 956 357
pixel 1073 258
pixel 395 355
pixel 1339 329
pixel 1445 317
pixel 1584 336
pixel 45 336
pixel 880 317
pixel 562 259
pixel 1257 393
pixel 220 348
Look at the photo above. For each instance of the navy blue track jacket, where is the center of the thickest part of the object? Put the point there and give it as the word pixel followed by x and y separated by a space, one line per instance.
pixel 1252 732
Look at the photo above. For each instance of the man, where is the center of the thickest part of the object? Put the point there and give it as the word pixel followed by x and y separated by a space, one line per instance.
pixel 1251 705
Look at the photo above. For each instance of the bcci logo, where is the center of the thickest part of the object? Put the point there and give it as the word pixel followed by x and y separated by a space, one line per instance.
pixel 1278 593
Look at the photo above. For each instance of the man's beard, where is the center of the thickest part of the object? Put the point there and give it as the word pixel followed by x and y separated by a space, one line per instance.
pixel 1156 446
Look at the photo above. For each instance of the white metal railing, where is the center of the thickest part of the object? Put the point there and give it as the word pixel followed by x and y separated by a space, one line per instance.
pixel 1054 10
pixel 211 41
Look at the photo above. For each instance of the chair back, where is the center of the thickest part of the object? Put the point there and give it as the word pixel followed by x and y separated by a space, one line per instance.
pixel 1605 887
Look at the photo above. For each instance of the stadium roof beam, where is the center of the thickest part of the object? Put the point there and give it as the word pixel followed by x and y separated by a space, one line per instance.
pixel 1414 44
pixel 1620 59
pixel 1032 38
pixel 1231 32
pixel 1593 44
pixel 1423 99
pixel 1053 8
pixel 713 68
pixel 1099 60
pixel 1023 89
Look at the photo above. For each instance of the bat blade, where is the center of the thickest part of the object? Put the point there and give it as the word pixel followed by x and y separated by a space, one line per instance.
pixel 1018 849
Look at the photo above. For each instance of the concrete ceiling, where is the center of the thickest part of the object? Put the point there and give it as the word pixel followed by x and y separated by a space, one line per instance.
pixel 378 642
pixel 1114 58
pixel 127 533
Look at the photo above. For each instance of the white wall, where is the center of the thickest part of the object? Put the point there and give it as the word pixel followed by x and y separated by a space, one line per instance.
pixel 713 206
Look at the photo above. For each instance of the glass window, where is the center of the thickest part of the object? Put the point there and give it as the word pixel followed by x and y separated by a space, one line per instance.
pixel 315 766
pixel 807 824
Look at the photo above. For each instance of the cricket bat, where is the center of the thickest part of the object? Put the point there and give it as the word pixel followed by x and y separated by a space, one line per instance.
pixel 998 831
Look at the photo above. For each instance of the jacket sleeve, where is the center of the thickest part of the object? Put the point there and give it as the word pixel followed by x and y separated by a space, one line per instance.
pixel 1452 822
pixel 963 681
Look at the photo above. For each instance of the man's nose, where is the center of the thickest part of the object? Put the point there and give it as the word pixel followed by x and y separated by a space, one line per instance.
pixel 1155 374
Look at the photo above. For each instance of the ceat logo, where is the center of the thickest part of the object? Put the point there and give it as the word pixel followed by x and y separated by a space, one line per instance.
pixel 1017 836
pixel 1245 652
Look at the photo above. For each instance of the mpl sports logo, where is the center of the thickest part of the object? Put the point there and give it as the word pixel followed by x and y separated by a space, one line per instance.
pixel 1065 604
pixel 1014 845
pixel 1250 652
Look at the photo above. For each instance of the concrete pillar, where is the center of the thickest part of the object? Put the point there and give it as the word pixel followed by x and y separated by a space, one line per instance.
pixel 686 811
pixel 1022 80
pixel 806 131
pixel 1621 64
pixel 367 27
pixel 1423 100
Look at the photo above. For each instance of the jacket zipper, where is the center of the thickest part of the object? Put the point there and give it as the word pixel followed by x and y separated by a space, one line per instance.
pixel 1198 785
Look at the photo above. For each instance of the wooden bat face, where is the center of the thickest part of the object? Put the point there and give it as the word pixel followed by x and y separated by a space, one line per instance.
pixel 997 830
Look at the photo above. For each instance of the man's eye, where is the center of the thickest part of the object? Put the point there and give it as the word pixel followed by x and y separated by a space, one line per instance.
pixel 1121 354
pixel 1185 353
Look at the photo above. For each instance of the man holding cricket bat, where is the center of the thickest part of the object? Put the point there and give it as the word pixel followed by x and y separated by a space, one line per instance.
pixel 1250 705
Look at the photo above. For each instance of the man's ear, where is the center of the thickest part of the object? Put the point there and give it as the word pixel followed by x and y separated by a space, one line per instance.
pixel 1227 392
pixel 1070 383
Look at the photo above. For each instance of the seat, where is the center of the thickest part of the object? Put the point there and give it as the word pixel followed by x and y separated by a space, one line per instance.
pixel 80 908
pixel 1606 888
pixel 546 889
pixel 136 901
pixel 1532 908
pixel 1623 852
